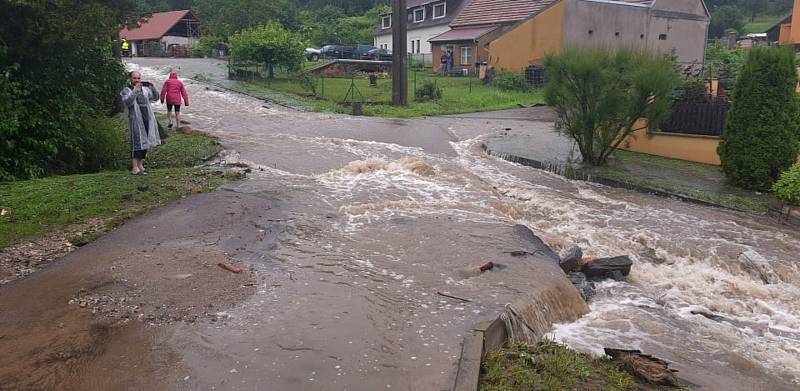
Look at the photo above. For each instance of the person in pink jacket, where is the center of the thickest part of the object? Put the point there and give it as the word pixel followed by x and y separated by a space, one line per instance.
pixel 172 91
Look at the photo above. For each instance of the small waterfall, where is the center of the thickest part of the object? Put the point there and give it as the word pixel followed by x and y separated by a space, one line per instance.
pixel 532 315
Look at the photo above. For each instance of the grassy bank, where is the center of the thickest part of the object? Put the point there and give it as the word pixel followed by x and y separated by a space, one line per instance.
pixel 762 23
pixel 551 366
pixel 459 95
pixel 34 207
pixel 695 180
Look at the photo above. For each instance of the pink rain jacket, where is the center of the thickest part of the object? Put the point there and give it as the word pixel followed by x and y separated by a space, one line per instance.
pixel 173 90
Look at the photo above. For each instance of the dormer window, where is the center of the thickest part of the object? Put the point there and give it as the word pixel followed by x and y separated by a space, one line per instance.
pixel 419 14
pixel 439 10
pixel 386 21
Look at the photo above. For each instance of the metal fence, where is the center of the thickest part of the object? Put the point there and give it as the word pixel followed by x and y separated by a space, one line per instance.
pixel 700 118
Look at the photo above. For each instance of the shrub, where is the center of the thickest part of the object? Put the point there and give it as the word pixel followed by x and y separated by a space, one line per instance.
pixel 269 44
pixel 760 137
pixel 308 82
pixel 599 96
pixel 205 45
pixel 787 188
pixel 428 91
pixel 105 143
pixel 510 81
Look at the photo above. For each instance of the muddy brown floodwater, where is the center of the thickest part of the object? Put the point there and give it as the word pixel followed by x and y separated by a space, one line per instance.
pixel 349 226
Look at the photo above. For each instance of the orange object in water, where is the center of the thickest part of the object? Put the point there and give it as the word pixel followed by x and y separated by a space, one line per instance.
pixel 229 267
pixel 487 266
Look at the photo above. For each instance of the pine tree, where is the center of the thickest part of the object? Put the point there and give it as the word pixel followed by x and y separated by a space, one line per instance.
pixel 760 139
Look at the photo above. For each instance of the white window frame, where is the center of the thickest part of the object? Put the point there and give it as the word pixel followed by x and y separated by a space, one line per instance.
pixel 468 57
pixel 383 21
pixel 444 10
pixel 415 14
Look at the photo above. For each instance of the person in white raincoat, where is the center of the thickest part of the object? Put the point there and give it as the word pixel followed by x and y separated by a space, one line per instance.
pixel 142 125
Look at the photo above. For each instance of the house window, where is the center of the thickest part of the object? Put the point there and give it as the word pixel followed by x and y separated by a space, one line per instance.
pixel 466 55
pixel 662 37
pixel 418 49
pixel 412 46
pixel 386 21
pixel 419 14
pixel 439 10
pixel 616 34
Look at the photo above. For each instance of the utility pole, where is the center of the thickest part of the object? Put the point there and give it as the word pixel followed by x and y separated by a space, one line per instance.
pixel 399 56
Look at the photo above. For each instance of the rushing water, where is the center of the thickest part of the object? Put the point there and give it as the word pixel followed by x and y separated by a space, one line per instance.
pixel 363 208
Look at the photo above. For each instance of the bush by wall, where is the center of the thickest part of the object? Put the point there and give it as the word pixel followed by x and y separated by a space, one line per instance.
pixel 787 188
pixel 428 91
pixel 510 81
pixel 760 137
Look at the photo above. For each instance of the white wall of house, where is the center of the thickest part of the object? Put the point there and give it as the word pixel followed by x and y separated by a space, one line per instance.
pixel 173 40
pixel 422 35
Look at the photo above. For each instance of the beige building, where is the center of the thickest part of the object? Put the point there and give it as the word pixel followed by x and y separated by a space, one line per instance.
pixel 664 26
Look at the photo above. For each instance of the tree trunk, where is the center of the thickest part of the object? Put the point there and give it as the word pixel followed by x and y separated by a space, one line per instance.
pixel 270 71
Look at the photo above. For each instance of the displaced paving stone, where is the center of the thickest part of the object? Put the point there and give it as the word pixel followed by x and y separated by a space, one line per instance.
pixel 570 258
pixel 584 286
pixel 601 268
pixel 533 244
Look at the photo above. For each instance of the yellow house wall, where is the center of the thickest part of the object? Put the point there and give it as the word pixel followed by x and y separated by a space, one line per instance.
pixel 785 34
pixel 530 41
pixel 700 149
pixel 795 32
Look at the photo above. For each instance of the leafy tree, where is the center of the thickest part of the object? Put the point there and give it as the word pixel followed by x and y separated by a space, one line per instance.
pixel 330 26
pixel 753 7
pixel 270 44
pixel 57 74
pixel 723 63
pixel 724 18
pixel 225 17
pixel 760 139
pixel 599 96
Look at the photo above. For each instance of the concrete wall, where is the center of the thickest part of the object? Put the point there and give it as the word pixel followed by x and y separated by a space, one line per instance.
pixel 528 42
pixel 604 25
pixel 683 23
pixel 421 34
pixel 694 148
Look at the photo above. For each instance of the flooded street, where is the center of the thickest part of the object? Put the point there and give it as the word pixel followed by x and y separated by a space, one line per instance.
pixel 378 215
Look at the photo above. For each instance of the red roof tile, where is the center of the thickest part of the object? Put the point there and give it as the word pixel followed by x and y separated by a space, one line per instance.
pixel 499 11
pixel 156 26
pixel 462 34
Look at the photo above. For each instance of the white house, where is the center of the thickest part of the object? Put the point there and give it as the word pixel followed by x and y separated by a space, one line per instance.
pixel 426 19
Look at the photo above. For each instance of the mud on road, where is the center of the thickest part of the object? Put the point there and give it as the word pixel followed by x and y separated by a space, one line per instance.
pixel 85 323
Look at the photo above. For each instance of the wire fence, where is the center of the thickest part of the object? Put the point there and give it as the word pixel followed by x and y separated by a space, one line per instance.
pixel 358 85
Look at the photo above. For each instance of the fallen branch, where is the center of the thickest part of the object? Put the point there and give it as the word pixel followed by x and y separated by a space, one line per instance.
pixel 454 297
pixel 229 267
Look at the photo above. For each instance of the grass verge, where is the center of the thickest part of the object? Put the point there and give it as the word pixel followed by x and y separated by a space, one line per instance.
pixel 34 207
pixel 551 366
pixel 762 23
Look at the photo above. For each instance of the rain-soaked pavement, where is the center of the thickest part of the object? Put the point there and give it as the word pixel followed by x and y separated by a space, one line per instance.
pixel 368 218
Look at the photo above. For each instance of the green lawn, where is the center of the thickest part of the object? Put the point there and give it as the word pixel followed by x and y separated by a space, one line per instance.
pixel 33 207
pixel 459 95
pixel 695 180
pixel 762 23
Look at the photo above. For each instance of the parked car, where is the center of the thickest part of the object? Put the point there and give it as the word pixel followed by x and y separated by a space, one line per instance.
pixel 377 55
pixel 344 51
pixel 312 54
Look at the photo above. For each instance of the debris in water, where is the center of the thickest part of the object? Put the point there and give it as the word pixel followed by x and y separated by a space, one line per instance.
pixel 714 317
pixel 648 368
pixel 487 266
pixel 584 286
pixel 615 268
pixel 454 297
pixel 229 267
